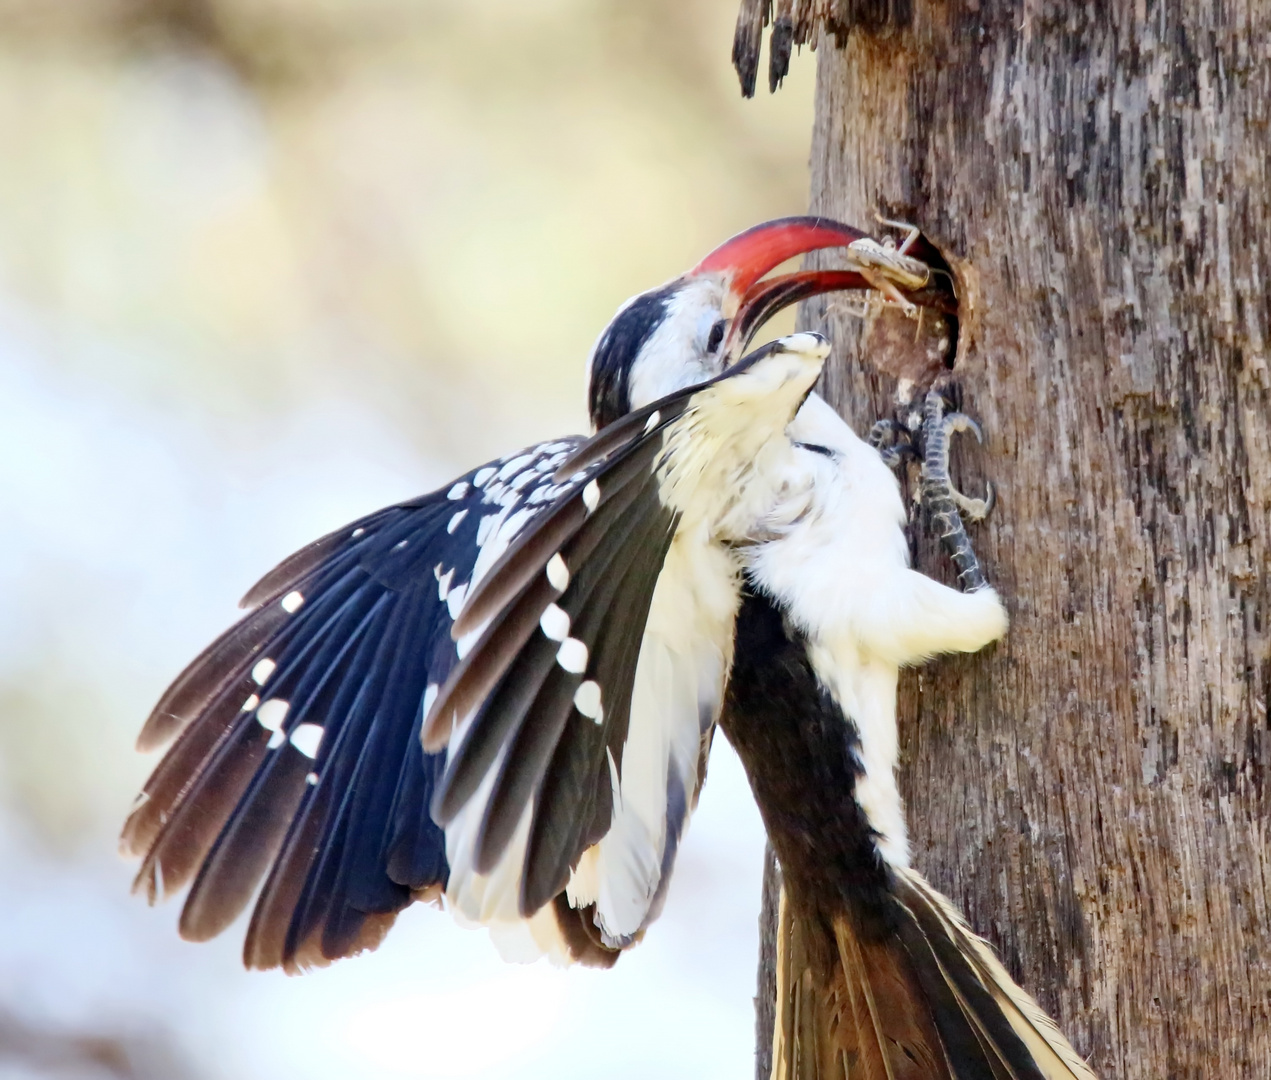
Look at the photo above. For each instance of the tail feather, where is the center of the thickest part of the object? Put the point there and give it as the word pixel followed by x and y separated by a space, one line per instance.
pixel 926 1000
pixel 873 1061
pixel 849 1008
pixel 806 1010
pixel 1054 1055
pixel 966 1046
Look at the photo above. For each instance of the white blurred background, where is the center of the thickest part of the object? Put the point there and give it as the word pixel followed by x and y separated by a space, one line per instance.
pixel 266 265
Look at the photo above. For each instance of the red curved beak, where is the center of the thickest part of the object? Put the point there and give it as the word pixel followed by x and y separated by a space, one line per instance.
pixel 751 254
pixel 763 300
pixel 748 256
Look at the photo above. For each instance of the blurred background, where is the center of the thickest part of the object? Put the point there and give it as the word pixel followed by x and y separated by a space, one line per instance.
pixel 266 265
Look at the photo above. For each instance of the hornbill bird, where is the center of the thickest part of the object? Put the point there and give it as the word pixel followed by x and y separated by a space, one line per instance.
pixel 507 689
pixel 553 813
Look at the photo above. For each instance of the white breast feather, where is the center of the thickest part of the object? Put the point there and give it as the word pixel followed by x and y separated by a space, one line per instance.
pixel 840 570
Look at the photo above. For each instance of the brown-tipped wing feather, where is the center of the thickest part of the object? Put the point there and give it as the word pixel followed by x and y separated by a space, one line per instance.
pixel 298 758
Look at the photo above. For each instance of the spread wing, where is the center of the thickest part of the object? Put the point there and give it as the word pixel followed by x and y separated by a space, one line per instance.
pixel 536 714
pixel 594 657
pixel 504 689
pixel 297 756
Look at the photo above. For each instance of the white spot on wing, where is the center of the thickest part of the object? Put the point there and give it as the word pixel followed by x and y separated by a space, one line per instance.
pixel 454 601
pixel 307 738
pixel 458 491
pixel 587 701
pixel 357 533
pixel 555 622
pixel 311 779
pixel 484 527
pixel 453 524
pixel 572 656
pixel 400 544
pixel 262 671
pixel 483 476
pixel 430 697
pixel 591 495
pixel 558 573
pixel 514 524
pixel 443 584
pixel 272 713
pixel 251 703
pixel 292 601
pixel 515 466
pixel 654 418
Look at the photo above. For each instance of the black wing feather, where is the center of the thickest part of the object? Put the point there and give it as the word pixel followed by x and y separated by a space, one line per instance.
pixel 526 700
pixel 317 555
pixel 507 668
pixel 357 628
pixel 536 733
pixel 363 885
pixel 287 893
pixel 266 942
pixel 251 838
pixel 187 809
pixel 318 900
pixel 626 459
pixel 217 712
pixel 521 594
pixel 234 650
pixel 209 675
pixel 575 800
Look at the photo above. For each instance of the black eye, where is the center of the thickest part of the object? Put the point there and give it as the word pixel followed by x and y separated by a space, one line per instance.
pixel 716 335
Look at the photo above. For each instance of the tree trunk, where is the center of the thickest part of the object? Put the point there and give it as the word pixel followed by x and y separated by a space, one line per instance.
pixel 1094 791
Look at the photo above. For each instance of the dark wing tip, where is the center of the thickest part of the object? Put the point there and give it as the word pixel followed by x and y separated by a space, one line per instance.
pixel 578 927
pixel 158 730
pixel 300 564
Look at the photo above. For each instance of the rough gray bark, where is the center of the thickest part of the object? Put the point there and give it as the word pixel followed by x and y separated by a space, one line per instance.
pixel 1094 791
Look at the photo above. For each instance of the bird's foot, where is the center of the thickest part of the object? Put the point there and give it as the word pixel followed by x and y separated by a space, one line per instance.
pixel 892 441
pixel 942 500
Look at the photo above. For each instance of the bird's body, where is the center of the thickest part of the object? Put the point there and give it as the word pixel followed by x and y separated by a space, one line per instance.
pixel 878 976
pixel 505 691
pixel 838 565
